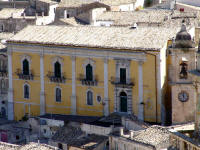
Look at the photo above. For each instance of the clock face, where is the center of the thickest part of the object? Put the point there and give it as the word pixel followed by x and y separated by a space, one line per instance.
pixel 183 96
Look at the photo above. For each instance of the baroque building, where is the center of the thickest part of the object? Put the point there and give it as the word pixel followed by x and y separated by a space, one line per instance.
pixel 90 71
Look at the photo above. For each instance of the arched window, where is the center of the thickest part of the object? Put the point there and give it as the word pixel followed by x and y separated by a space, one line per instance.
pixel 183 71
pixel 25 67
pixel 57 69
pixel 26 91
pixel 89 98
pixel 89 72
pixel 58 95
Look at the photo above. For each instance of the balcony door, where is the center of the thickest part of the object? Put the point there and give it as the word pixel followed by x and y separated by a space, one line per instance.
pixel 123 102
pixel 123 75
pixel 25 67
pixel 57 70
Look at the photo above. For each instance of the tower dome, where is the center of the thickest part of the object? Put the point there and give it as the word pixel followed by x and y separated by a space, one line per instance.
pixel 183 39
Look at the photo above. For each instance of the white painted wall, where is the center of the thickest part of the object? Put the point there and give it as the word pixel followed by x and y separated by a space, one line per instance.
pixel 139 3
pixel 92 129
pixel 127 7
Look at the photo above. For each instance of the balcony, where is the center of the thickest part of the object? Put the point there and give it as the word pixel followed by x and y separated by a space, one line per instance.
pixel 3 91
pixel 86 82
pixel 53 78
pixel 23 76
pixel 3 73
pixel 124 84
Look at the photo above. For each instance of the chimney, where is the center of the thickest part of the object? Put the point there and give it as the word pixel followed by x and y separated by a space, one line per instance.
pixel 65 14
pixel 24 15
pixel 131 135
pixel 121 131
pixel 36 15
pixel 42 14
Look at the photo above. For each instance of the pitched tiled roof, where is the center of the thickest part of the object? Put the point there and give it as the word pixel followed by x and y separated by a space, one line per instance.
pixel 74 3
pixel 129 17
pixel 156 135
pixel 30 146
pixel 146 38
pixel 147 16
pixel 117 2
pixel 73 136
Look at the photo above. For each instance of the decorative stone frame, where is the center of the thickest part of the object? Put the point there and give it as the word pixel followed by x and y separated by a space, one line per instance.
pixel 92 97
pixel 123 63
pixel 97 98
pixel 57 87
pixel 117 99
pixel 29 90
pixel 57 59
pixel 28 58
pixel 92 63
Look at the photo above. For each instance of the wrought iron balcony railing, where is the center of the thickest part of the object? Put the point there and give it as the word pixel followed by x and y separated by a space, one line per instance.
pixel 125 83
pixel 87 82
pixel 23 76
pixel 57 79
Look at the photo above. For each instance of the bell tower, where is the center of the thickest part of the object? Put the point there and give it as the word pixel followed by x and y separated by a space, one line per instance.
pixel 182 59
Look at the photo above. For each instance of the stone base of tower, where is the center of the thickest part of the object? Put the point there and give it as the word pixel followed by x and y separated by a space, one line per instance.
pixel 183 111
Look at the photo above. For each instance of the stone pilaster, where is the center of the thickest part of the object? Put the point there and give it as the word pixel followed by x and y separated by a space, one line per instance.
pixel 106 100
pixel 42 92
pixel 73 97
pixel 140 85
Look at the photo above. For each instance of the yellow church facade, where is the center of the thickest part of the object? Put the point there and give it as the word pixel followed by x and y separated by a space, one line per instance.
pixel 68 77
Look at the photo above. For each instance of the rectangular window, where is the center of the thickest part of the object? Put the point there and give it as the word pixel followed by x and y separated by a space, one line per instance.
pixel 1 28
pixel 123 75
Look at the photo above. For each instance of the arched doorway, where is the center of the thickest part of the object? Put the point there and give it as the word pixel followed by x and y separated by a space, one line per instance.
pixel 123 102
pixel 3 112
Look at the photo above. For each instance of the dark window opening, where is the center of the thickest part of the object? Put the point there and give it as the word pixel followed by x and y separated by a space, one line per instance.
pixel 123 75
pixel 44 130
pixel 26 91
pixel 89 98
pixel 89 72
pixel 58 95
pixel 25 67
pixel 60 146
pixel 17 137
pixel 57 70
pixel 183 73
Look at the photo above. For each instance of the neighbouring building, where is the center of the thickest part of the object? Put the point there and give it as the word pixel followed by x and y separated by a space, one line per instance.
pixel 152 138
pixel 32 146
pixel 4 75
pixel 147 17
